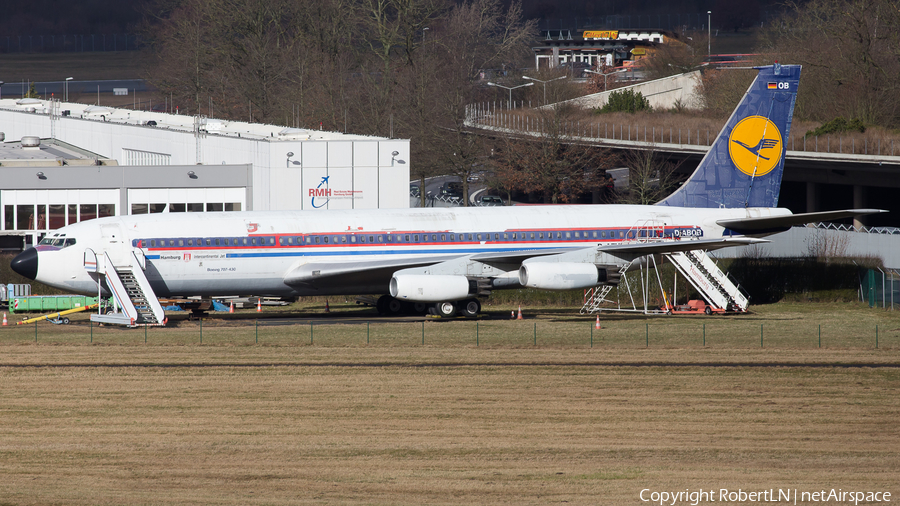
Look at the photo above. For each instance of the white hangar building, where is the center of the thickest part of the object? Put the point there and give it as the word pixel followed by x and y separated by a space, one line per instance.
pixel 77 158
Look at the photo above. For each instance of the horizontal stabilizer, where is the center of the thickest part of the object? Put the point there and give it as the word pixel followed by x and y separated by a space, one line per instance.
pixel 770 223
pixel 651 248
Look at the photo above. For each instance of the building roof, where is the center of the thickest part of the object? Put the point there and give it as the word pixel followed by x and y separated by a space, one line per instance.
pixel 178 122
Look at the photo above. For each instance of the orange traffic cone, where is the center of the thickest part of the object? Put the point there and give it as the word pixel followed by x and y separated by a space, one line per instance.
pixel 512 315
pixel 597 325
pixel 520 314
pixel 259 305
pixel 327 309
pixel 231 307
pixel 4 320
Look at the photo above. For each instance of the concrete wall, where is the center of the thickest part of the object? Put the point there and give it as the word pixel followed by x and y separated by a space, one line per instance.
pixel 808 241
pixel 662 93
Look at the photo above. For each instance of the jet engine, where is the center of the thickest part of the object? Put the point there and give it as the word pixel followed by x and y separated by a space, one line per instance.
pixel 565 275
pixel 431 288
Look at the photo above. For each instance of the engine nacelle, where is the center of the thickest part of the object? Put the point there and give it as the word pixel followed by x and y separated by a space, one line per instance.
pixel 427 288
pixel 561 275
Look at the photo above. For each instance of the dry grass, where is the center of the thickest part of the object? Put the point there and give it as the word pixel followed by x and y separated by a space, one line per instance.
pixel 396 422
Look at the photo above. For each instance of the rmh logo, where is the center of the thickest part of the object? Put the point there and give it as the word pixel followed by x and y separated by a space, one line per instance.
pixel 319 192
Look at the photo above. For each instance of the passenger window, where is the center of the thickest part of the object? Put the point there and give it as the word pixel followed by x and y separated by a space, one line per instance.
pixel 595 234
pixel 370 238
pixel 379 238
pixel 317 240
pixel 532 236
pixel 343 239
pixel 352 238
pixel 568 235
pixel 603 233
pixel 577 235
pixel 540 235
pixel 153 243
pixel 207 242
pixel 217 242
pixel 496 237
pixel 271 241
pixel 325 239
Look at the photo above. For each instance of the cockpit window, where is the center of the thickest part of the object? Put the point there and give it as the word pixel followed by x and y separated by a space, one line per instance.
pixel 59 241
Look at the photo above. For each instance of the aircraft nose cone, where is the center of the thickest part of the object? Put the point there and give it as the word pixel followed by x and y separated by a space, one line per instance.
pixel 26 263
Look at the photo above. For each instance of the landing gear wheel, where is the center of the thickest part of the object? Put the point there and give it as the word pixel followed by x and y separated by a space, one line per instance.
pixel 708 310
pixel 394 307
pixel 420 308
pixel 381 305
pixel 470 308
pixel 445 309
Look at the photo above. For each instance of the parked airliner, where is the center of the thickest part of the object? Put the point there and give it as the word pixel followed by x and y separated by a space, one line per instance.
pixel 443 259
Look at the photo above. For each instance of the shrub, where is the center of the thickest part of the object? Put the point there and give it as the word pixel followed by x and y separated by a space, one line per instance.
pixel 838 125
pixel 625 101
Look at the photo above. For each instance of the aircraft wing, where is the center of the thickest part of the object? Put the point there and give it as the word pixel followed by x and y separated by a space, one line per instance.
pixel 313 273
pixel 379 272
pixel 648 248
pixel 781 223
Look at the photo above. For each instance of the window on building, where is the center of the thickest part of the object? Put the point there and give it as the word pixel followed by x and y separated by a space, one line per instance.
pixel 25 217
pixel 73 214
pixel 57 216
pixel 177 208
pixel 88 211
pixel 139 209
pixel 157 208
pixel 9 217
pixel 232 206
pixel 214 207
pixel 104 210
pixel 195 208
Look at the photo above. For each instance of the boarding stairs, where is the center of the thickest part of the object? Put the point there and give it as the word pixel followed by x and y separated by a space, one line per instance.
pixel 594 297
pixel 706 277
pixel 135 303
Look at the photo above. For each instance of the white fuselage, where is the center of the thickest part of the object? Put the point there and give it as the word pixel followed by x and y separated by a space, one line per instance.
pixel 243 253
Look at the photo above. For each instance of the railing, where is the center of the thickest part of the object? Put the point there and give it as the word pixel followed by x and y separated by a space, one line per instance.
pixel 521 120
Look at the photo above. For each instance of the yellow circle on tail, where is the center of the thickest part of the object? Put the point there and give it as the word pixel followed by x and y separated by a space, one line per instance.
pixel 755 146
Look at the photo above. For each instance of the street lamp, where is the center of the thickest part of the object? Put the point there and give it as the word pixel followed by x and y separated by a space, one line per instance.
pixel 545 83
pixel 709 36
pixel 1 89
pixel 510 90
pixel 602 74
pixel 67 88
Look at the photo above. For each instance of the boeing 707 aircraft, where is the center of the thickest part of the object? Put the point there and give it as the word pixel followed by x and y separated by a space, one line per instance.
pixel 442 259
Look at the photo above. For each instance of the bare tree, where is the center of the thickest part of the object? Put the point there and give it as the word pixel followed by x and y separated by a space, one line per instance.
pixel 650 177
pixel 850 52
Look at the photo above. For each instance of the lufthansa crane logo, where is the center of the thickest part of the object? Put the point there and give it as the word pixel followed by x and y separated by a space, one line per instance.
pixel 755 146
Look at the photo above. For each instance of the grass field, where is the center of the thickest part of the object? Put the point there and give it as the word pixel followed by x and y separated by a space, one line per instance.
pixel 395 422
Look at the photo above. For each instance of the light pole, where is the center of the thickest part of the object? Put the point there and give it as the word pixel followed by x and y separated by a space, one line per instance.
pixel 709 36
pixel 510 90
pixel 545 83
pixel 602 74
pixel 67 88
pixel 1 89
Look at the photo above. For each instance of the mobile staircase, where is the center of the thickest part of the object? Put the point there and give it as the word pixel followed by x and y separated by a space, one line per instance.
pixel 706 277
pixel 131 291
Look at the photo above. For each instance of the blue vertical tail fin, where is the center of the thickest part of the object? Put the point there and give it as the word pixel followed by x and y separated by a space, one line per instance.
pixel 743 167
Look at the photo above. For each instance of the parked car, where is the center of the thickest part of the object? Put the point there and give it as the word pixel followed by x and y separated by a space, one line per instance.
pixel 490 200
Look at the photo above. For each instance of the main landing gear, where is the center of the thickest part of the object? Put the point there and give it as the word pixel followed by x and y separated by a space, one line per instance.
pixel 387 305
